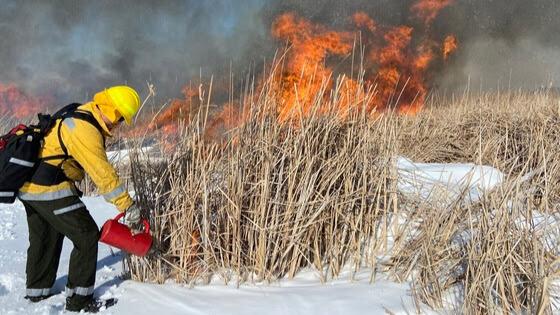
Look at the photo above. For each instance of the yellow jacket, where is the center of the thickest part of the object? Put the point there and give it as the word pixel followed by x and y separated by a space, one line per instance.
pixel 85 145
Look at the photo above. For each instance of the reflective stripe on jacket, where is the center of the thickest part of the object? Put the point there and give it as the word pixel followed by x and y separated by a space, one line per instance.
pixel 85 145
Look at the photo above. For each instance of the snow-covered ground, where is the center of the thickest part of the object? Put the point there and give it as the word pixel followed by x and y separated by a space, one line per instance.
pixel 302 295
pixel 443 183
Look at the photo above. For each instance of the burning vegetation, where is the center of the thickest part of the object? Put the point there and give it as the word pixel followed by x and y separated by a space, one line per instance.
pixel 396 65
pixel 14 102
pixel 394 62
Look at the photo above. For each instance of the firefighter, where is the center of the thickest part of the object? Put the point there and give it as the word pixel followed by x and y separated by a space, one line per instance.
pixel 52 201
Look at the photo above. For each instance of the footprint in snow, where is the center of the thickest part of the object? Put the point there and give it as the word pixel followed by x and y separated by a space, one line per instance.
pixel 7 283
pixel 7 223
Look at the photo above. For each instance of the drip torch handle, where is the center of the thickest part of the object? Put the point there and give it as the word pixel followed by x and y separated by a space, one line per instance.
pixel 145 221
pixel 119 216
pixel 146 226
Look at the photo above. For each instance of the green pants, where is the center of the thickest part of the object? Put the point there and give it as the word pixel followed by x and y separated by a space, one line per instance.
pixel 49 222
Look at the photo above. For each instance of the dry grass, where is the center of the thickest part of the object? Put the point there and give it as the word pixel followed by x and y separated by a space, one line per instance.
pixel 501 258
pixel 270 202
pixel 274 198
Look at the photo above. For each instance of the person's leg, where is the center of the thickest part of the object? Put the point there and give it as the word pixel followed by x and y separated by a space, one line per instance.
pixel 70 217
pixel 43 255
pixel 83 261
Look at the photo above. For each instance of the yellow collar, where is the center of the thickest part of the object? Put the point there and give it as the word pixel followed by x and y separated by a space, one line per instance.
pixel 90 107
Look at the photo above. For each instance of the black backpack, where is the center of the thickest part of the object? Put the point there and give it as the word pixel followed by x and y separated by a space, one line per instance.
pixel 20 148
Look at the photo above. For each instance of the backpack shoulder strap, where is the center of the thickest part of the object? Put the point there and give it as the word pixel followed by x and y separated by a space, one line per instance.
pixel 81 115
pixel 88 117
pixel 71 111
pixel 64 111
pixel 47 121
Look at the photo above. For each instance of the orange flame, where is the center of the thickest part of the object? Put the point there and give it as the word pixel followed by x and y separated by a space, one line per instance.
pixel 401 76
pixel 362 20
pixel 450 45
pixel 427 10
pixel 178 109
pixel 220 120
pixel 391 59
pixel 16 103
pixel 305 70
pixel 226 119
pixel 399 63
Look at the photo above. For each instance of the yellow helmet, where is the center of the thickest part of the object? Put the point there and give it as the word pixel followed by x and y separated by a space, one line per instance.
pixel 122 98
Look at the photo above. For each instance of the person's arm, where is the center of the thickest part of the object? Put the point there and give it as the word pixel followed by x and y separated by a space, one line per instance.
pixel 85 145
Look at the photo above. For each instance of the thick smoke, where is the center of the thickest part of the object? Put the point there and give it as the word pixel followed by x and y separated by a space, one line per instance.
pixel 69 49
pixel 505 44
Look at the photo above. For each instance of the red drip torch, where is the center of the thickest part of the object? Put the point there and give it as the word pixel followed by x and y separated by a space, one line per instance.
pixel 120 236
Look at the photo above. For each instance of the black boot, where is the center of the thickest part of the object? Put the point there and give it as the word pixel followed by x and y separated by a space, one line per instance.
pixel 74 304
pixel 36 299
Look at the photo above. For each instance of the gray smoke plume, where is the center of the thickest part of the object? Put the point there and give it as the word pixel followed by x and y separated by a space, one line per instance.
pixel 505 44
pixel 71 48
